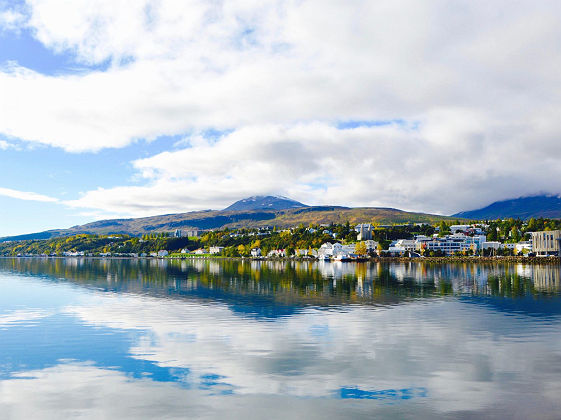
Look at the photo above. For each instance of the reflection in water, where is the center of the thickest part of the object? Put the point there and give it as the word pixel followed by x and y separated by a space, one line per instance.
pixel 226 338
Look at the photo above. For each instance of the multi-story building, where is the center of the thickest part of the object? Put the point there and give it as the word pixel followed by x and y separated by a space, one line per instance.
pixel 547 243
pixel 402 245
pixel 451 244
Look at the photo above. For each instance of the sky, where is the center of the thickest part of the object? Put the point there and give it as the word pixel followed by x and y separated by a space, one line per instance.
pixel 129 108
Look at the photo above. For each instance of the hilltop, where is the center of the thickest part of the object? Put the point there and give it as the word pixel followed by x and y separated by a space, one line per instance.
pixel 261 202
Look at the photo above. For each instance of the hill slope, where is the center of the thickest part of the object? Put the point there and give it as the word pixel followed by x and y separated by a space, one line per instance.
pixel 211 219
pixel 523 208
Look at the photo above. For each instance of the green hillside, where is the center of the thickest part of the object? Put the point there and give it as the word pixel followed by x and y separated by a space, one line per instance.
pixel 212 219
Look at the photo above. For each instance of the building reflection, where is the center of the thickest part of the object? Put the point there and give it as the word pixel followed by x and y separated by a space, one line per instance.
pixel 296 283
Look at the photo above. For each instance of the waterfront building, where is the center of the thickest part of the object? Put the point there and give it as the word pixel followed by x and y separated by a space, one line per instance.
pixel 451 244
pixel 524 247
pixel 492 245
pixel 547 243
pixel 371 246
pixel 215 249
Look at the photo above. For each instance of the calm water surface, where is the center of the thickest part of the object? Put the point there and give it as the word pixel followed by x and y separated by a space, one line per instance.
pixel 229 339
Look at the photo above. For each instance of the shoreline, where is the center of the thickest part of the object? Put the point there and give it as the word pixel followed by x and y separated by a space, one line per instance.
pixel 436 260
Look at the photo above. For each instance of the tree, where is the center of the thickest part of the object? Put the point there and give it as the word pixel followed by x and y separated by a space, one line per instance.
pixel 360 248
pixel 515 234
pixel 444 228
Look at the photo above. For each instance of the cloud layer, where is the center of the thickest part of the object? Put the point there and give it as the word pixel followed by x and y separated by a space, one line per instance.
pixel 472 89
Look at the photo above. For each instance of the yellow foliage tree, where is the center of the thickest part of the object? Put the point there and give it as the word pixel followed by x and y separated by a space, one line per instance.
pixel 360 248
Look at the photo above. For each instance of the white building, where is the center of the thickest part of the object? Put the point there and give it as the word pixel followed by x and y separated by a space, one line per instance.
pixel 216 249
pixel 475 229
pixel 451 244
pixel 276 253
pixel 371 245
pixel 364 231
pixel 336 250
pixel 492 245
pixel 255 252
pixel 524 247
pixel 547 243
pixel 163 253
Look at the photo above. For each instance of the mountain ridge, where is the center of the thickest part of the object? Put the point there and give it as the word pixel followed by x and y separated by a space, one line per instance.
pixel 547 206
pixel 220 219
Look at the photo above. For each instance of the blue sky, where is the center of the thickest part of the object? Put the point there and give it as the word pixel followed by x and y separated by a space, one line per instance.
pixel 113 109
pixel 52 172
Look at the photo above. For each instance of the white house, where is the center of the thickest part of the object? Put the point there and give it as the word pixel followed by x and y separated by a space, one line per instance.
pixel 371 245
pixel 216 249
pixel 276 253
pixel 336 250
pixel 163 253
pixel 492 245
pixel 476 229
pixel 255 252
pixel 524 247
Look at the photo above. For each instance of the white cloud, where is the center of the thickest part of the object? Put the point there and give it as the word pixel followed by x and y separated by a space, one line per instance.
pixel 391 165
pixel 21 316
pixel 23 195
pixel 11 20
pixel 480 79
pixel 367 348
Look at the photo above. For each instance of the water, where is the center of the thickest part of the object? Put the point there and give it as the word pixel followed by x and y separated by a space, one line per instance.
pixel 229 339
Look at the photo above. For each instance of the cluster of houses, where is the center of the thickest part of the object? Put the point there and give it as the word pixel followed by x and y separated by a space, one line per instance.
pixel 462 239
pixel 466 238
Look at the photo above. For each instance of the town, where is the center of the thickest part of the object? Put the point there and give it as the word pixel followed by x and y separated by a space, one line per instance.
pixel 325 242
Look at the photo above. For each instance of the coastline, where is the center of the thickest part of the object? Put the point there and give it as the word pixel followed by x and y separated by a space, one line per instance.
pixel 434 260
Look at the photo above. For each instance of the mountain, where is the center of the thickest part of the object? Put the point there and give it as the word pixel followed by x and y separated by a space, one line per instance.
pixel 219 219
pixel 547 206
pixel 264 202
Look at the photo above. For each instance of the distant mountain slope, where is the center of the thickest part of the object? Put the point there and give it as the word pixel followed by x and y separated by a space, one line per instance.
pixel 211 219
pixel 264 202
pixel 523 208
